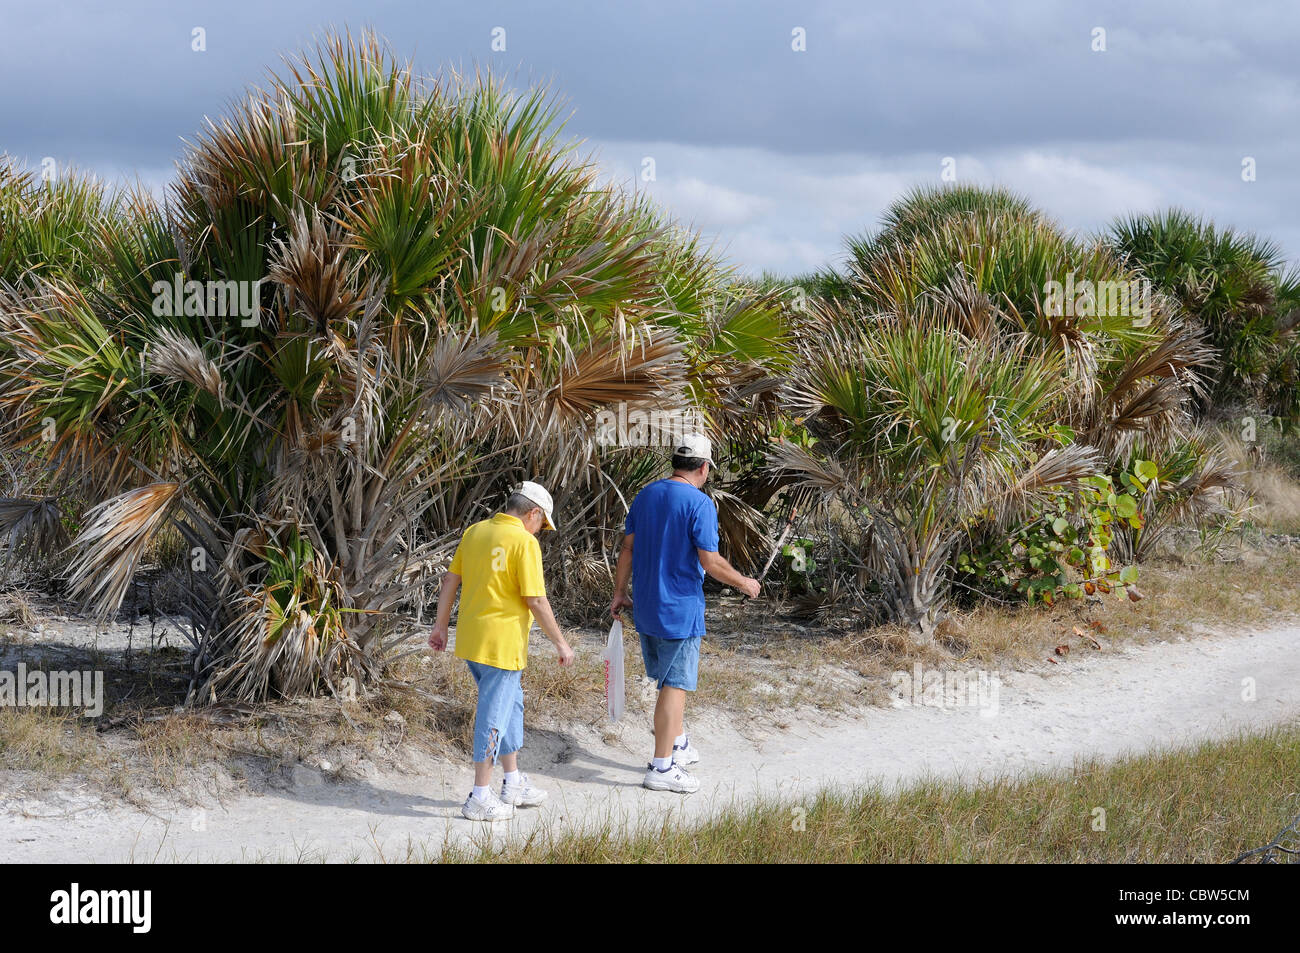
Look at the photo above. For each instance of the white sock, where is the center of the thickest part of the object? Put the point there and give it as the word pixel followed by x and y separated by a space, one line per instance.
pixel 663 764
pixel 680 741
pixel 512 777
pixel 480 792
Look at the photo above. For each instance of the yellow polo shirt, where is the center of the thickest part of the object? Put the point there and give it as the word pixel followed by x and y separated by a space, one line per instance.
pixel 500 564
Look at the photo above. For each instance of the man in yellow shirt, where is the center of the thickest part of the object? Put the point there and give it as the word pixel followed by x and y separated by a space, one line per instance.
pixel 499 563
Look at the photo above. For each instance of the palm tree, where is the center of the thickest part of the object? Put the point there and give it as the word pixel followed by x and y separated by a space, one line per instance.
pixel 49 227
pixel 919 212
pixel 921 431
pixel 1234 285
pixel 1132 362
pixel 441 299
pixel 970 273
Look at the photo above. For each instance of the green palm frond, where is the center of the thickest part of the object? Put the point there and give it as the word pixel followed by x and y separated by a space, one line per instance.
pixel 1233 284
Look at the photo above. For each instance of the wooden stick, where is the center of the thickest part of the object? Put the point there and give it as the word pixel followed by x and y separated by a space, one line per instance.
pixel 789 525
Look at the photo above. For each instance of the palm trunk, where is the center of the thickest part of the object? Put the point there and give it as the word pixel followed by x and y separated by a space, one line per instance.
pixel 918 577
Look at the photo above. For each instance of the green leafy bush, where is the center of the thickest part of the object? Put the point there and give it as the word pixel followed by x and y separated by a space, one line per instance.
pixel 1064 549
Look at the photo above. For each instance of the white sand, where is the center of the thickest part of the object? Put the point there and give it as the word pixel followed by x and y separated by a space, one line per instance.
pixel 1094 703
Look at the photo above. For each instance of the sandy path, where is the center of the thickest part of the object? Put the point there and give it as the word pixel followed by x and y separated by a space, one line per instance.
pixel 1100 703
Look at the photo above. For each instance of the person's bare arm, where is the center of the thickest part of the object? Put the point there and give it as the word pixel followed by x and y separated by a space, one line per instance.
pixel 540 606
pixel 622 576
pixel 728 575
pixel 446 596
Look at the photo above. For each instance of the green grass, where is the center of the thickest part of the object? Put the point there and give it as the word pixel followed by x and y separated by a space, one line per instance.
pixel 1205 804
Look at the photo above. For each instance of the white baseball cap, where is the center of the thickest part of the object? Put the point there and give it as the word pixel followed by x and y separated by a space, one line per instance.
pixel 537 493
pixel 696 445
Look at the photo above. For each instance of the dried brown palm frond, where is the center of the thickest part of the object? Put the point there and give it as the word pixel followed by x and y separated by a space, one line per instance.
pixel 1147 396
pixel 1202 493
pixel 826 474
pixel 310 456
pixel 1060 469
pixel 460 371
pixel 1178 355
pixel 958 301
pixel 503 266
pixel 33 528
pixel 114 536
pixel 314 268
pixel 609 372
pixel 743 530
pixel 236 657
pixel 176 357
pixel 1141 410
pixel 743 401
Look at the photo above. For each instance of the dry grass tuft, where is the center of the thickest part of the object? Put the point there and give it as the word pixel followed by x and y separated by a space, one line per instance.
pixel 49 743
pixel 1277 498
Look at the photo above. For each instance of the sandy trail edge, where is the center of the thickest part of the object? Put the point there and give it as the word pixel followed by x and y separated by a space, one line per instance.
pixel 1101 703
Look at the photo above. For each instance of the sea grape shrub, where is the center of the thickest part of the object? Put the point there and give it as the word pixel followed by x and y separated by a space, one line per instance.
pixel 1063 549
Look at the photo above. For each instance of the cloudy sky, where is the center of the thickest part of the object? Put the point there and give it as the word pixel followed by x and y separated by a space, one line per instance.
pixel 776 153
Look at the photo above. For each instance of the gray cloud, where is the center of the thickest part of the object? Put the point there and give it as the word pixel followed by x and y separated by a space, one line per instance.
pixel 776 152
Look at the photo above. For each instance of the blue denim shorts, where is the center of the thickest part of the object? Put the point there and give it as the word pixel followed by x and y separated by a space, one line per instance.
pixel 499 717
pixel 671 662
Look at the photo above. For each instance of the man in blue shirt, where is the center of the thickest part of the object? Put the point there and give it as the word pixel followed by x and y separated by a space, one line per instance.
pixel 670 541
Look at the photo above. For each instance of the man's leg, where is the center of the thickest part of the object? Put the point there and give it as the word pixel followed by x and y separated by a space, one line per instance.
pixel 514 734
pixel 517 789
pixel 677 661
pixel 482 769
pixel 670 709
pixel 490 717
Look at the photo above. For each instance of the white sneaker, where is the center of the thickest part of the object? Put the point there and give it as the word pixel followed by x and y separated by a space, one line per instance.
pixel 686 754
pixel 675 779
pixel 523 793
pixel 490 808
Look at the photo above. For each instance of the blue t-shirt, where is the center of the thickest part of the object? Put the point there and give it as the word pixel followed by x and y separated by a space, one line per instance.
pixel 670 520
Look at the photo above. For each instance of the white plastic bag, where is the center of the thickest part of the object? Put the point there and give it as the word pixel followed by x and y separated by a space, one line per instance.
pixel 613 656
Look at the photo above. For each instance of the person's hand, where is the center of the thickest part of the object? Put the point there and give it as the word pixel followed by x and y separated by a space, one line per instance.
pixel 438 638
pixel 750 587
pixel 566 653
pixel 620 603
